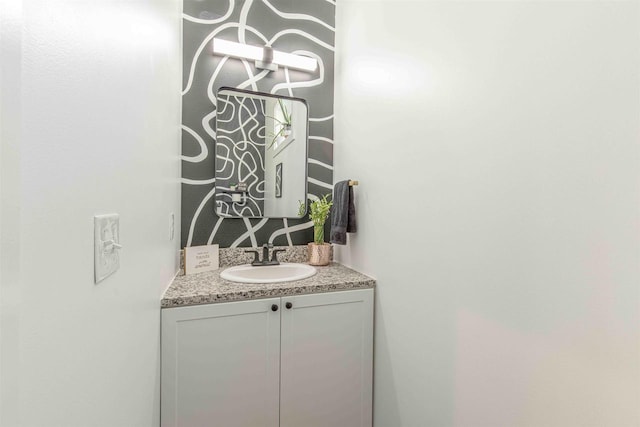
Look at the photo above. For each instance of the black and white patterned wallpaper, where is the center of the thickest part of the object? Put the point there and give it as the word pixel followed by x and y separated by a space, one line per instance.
pixel 304 27
pixel 240 150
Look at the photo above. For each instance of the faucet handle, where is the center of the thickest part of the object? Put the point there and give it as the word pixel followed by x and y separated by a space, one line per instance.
pixel 256 256
pixel 274 255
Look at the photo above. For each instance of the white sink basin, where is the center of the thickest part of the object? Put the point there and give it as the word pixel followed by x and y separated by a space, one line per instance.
pixel 285 272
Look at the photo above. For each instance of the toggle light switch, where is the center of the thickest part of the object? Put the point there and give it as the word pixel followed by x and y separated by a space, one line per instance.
pixel 106 245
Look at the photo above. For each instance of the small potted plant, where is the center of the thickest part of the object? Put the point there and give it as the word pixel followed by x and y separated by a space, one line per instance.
pixel 319 251
pixel 283 124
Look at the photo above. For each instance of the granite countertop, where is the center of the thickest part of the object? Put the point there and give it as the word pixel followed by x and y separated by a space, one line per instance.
pixel 208 287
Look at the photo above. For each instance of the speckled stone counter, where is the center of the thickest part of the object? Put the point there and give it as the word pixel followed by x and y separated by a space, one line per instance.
pixel 207 288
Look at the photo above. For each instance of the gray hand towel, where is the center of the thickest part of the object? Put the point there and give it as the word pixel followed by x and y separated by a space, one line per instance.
pixel 343 213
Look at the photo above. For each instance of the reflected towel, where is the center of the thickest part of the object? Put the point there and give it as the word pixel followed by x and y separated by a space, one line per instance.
pixel 343 213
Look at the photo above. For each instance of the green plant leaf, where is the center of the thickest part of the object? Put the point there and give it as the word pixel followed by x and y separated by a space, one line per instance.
pixel 318 213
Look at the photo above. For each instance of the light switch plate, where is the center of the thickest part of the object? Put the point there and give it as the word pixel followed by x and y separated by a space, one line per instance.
pixel 106 245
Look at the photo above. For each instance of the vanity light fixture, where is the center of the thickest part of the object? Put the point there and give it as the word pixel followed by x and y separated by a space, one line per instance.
pixel 265 57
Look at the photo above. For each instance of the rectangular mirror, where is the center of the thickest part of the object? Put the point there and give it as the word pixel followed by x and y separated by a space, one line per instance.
pixel 261 155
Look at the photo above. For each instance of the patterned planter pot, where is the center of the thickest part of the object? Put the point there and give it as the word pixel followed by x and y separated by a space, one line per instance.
pixel 319 254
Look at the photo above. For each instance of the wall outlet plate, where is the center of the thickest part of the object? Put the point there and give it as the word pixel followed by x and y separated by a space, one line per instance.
pixel 172 226
pixel 106 233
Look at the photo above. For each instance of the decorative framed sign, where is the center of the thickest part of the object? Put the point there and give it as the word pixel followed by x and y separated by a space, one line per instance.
pixel 279 180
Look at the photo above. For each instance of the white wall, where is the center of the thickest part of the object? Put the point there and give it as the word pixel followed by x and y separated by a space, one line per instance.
pixel 294 162
pixel 10 42
pixel 91 128
pixel 496 144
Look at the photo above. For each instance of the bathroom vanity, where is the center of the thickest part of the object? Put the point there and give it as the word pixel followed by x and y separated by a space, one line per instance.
pixel 282 354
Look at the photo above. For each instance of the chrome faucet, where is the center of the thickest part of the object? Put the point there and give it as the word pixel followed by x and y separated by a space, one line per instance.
pixel 265 255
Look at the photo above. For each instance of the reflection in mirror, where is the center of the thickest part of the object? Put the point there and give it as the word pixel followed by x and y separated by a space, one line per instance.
pixel 261 155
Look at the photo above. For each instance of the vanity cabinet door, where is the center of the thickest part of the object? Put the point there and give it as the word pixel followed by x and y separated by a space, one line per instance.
pixel 221 364
pixel 327 360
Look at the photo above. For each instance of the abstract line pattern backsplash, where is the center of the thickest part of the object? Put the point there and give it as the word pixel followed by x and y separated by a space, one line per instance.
pixel 304 27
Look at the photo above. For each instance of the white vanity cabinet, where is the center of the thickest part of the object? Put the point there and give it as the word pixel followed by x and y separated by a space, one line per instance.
pixel 221 365
pixel 296 361
pixel 326 354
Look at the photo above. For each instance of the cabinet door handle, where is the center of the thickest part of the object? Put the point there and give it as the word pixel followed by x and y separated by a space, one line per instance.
pixel 288 305
pixel 274 307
